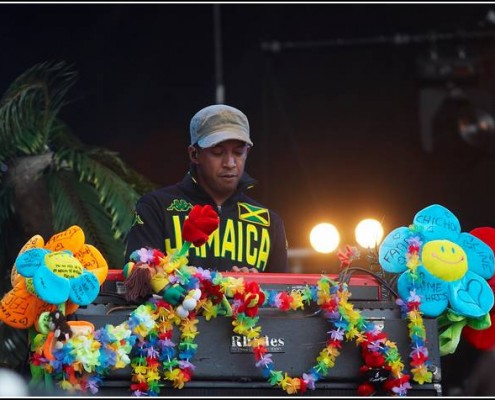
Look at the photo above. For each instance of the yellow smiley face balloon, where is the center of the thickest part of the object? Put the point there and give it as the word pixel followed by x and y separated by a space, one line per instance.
pixel 445 260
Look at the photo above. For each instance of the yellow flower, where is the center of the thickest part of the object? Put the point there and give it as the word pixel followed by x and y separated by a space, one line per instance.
pixel 297 300
pixel 189 335
pixel 152 376
pixel 230 286
pixel 66 385
pixel 259 341
pixel 351 333
pixel 332 351
pixel 239 327
pixel 421 374
pixel 253 333
pixel 179 382
pixel 172 375
pixel 325 359
pixel 140 369
pixel 189 324
pixel 360 338
pixel 290 385
pixel 390 344
pixel 344 295
pixel 397 366
pixel 209 310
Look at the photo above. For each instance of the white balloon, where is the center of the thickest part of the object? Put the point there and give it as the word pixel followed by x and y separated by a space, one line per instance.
pixel 182 312
pixel 12 384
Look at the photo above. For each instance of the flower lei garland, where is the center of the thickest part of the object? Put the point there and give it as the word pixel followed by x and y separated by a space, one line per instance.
pixel 410 310
pixel 145 340
pixel 345 321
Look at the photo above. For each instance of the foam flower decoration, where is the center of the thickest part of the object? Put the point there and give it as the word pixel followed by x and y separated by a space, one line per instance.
pixel 447 268
pixel 202 221
pixel 58 276
pixel 21 307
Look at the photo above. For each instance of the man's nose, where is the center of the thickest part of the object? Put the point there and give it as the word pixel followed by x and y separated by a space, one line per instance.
pixel 229 160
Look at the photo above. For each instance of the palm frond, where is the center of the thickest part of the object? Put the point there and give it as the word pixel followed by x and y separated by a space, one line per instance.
pixel 14 347
pixel 116 195
pixel 78 203
pixel 6 204
pixel 29 108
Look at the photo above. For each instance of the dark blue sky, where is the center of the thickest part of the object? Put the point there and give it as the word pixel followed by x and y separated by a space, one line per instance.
pixel 335 127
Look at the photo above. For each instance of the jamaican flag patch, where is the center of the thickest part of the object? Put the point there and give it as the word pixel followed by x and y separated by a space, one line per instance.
pixel 256 215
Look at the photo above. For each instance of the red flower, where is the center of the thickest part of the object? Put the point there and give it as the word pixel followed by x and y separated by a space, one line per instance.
pixel 141 386
pixel 152 362
pixel 418 359
pixel 202 221
pixel 374 359
pixel 413 305
pixel 251 300
pixel 330 305
pixel 211 291
pixel 187 374
pixel 258 352
pixel 165 335
pixel 157 255
pixel 365 389
pixel 348 256
pixel 285 301
pixel 302 385
pixel 36 359
pixel 335 343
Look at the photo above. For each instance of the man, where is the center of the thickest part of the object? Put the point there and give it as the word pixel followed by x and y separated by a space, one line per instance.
pixel 250 237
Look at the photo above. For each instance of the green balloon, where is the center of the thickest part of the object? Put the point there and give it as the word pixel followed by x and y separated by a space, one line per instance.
pixel 174 294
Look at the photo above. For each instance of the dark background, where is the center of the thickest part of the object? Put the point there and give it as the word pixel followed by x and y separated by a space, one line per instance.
pixel 334 113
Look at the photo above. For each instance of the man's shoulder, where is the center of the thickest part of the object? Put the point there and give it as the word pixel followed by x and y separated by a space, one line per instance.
pixel 160 195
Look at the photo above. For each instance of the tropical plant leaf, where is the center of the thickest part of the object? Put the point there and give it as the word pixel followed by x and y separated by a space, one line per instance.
pixel 77 203
pixel 14 347
pixel 115 194
pixel 29 108
pixel 88 186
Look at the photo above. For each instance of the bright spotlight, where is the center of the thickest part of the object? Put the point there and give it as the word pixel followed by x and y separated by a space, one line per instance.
pixel 369 233
pixel 324 238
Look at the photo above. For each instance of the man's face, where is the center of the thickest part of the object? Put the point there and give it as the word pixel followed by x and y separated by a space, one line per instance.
pixel 220 167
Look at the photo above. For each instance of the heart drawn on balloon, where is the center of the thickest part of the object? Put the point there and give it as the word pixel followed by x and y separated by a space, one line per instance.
pixel 472 293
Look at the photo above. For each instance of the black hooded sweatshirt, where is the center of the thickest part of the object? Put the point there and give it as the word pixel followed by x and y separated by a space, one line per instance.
pixel 249 234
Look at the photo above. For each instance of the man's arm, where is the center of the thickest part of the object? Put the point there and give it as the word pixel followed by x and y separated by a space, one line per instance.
pixel 278 262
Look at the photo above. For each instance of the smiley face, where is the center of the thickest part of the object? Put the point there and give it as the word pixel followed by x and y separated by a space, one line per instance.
pixel 445 260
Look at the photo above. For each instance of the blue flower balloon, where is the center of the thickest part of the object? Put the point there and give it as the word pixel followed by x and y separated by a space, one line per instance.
pixel 57 276
pixel 442 265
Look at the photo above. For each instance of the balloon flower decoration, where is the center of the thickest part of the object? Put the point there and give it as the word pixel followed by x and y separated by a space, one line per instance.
pixel 50 281
pixel 443 272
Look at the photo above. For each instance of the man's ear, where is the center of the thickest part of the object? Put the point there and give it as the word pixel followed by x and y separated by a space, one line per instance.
pixel 193 154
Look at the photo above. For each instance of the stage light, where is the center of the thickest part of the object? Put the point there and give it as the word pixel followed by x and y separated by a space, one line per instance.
pixel 369 233
pixel 324 238
pixel 456 119
pixel 478 129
